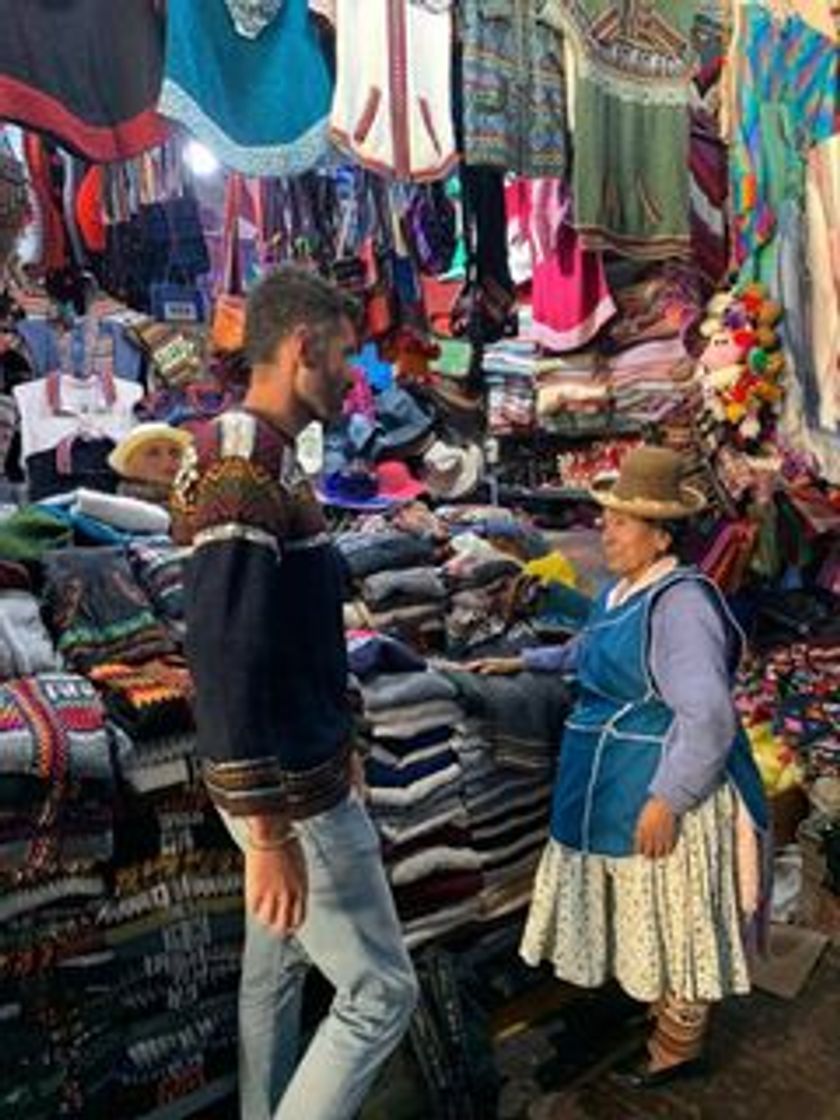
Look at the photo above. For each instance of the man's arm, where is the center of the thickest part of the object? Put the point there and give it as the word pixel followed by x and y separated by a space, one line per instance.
pixel 233 581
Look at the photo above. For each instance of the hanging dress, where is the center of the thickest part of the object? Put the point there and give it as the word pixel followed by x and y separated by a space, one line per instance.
pixel 87 71
pixel 260 102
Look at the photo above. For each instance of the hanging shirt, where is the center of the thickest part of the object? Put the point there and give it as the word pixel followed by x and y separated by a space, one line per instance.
pixel 514 88
pixel 113 347
pixel 88 73
pixel 53 409
pixel 261 103
pixel 393 100
pixel 68 427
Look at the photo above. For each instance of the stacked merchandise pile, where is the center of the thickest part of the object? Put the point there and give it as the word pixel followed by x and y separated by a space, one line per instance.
pixel 510 367
pixel 482 582
pixel 415 787
pixel 459 767
pixel 397 588
pixel 507 744
pixel 136 984
pixel 57 783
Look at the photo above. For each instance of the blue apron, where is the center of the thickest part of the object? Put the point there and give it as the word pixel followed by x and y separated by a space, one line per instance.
pixel 615 736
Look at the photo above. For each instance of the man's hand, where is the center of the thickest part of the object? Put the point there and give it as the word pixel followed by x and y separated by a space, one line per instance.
pixel 656 830
pixel 357 775
pixel 276 886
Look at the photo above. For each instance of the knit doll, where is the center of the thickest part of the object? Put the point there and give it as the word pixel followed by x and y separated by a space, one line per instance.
pixel 741 367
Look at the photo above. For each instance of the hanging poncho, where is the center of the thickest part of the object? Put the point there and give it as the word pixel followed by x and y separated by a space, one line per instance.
pixel 251 85
pixel 86 71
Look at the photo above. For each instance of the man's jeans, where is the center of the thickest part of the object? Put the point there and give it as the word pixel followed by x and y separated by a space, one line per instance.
pixel 352 936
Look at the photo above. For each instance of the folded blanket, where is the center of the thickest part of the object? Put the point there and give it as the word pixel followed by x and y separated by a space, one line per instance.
pixel 97 610
pixel 53 727
pixel 129 514
pixel 25 646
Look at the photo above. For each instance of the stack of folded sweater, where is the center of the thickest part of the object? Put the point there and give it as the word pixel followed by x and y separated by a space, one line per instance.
pixel 415 787
pixel 57 794
pixel 507 745
pixel 408 602
pixel 124 638
pixel 397 588
pixel 481 582
pixel 121 892
pixel 509 369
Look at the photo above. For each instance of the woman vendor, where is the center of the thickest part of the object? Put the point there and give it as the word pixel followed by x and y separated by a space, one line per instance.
pixel 652 873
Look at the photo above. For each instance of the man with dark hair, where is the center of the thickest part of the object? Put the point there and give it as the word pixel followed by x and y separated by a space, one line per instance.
pixel 266 645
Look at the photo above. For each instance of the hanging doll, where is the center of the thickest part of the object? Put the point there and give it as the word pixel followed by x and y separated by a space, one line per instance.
pixel 741 367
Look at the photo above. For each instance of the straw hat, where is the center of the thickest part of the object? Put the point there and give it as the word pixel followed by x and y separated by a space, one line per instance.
pixel 120 458
pixel 650 486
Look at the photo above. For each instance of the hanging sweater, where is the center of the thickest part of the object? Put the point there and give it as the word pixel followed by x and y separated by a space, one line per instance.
pixel 392 109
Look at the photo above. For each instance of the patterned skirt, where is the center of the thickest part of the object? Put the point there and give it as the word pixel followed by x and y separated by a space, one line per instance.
pixel 673 925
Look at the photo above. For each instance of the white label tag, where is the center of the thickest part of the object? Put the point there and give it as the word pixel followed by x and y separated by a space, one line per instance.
pixel 310 448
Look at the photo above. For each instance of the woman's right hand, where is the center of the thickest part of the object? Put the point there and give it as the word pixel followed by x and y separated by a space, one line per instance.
pixel 497 666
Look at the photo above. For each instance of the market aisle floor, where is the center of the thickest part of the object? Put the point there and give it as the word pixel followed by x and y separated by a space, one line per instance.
pixel 771 1058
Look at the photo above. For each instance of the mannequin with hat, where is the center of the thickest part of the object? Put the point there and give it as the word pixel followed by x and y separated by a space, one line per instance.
pixel 652 871
pixel 148 460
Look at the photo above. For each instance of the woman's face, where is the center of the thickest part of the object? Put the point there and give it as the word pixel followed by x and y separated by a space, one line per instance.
pixel 631 545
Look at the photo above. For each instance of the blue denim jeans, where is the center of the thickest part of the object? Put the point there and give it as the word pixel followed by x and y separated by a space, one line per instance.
pixel 352 936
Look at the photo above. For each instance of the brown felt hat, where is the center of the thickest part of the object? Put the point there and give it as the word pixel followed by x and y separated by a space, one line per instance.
pixel 650 486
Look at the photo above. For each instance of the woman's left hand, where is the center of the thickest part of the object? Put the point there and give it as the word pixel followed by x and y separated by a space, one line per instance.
pixel 656 830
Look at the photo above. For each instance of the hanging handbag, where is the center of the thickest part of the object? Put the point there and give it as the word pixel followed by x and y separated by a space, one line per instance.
pixel 432 228
pixel 228 328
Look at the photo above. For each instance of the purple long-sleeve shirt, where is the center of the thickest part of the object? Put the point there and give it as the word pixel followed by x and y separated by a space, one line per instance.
pixel 690 655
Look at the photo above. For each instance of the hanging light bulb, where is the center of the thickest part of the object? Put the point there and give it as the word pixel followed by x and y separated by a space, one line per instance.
pixel 200 160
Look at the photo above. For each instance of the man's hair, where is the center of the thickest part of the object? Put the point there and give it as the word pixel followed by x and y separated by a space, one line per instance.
pixel 290 298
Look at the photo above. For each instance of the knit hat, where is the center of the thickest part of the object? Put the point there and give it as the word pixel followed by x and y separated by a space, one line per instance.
pixel 650 486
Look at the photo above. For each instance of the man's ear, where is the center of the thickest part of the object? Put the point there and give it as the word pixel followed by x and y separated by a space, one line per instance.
pixel 291 349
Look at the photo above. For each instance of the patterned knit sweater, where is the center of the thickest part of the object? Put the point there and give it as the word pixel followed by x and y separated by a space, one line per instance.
pixel 265 638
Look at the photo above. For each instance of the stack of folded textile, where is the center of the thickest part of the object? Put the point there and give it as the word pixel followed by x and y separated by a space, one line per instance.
pixel 481 582
pixel 107 626
pixel 121 898
pixel 57 789
pixel 507 745
pixel 415 787
pixel 98 612
pixel 509 369
pixel 158 566
pixel 173 929
pixel 398 590
pixel 408 603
